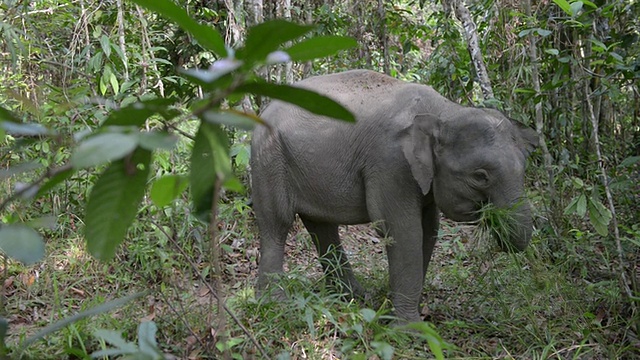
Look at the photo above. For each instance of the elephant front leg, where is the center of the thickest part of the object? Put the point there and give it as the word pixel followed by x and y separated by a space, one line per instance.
pixel 333 258
pixel 406 274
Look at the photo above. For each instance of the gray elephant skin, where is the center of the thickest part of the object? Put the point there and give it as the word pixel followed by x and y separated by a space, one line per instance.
pixel 410 154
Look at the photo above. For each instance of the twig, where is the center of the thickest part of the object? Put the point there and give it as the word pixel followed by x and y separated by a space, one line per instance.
pixel 194 266
pixel 49 173
pixel 216 279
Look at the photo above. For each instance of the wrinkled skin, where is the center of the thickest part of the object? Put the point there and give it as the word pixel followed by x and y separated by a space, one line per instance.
pixel 410 154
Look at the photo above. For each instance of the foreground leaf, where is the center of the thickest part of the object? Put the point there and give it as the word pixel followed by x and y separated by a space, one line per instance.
pixel 266 37
pixel 233 118
pixel 306 99
pixel 209 161
pixel 319 47
pixel 136 114
pixel 103 148
pixel 102 308
pixel 21 243
pixel 113 203
pixel 206 36
pixel 167 188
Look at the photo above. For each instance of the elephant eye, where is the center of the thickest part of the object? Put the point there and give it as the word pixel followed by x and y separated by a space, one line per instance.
pixel 480 178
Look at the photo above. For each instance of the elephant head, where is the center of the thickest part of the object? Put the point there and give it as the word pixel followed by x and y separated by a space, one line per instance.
pixel 470 157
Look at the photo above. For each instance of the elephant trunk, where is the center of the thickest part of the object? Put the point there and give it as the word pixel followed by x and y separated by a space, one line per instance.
pixel 514 234
pixel 521 235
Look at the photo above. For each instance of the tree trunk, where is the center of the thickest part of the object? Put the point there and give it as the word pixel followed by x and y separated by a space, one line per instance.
pixel 539 121
pixel 473 44
pixel 121 42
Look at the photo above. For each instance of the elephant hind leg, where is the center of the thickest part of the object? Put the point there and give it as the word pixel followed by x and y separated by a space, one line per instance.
pixel 333 258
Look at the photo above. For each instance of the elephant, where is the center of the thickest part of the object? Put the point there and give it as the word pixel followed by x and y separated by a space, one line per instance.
pixel 410 155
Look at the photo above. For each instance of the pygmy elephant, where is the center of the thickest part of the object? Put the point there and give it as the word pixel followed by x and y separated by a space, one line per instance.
pixel 410 154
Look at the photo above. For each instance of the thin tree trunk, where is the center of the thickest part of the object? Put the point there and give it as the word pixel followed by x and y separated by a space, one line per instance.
pixel 539 121
pixel 473 44
pixel 121 41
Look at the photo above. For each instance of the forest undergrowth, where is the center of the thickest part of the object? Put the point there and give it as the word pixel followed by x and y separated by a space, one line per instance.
pixel 129 99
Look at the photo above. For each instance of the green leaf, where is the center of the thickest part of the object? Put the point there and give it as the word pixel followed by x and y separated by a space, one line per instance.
pixel 22 243
pixel 231 117
pixel 19 168
pixel 630 161
pixel 368 315
pixel 7 115
pixel 319 47
pixel 100 309
pixel 435 341
pixel 543 32
pixel 383 349
pixel 599 216
pixel 576 6
pixel 136 114
pixel 210 160
pixel 206 36
pixel 20 129
pixel 114 83
pixel 56 179
pixel 153 140
pixel 306 99
pixel 266 37
pixel 564 5
pixel 102 148
pixel 113 203
pixel 572 207
pixel 167 188
pixel 115 338
pixel 147 339
pixel 581 206
pixel 105 43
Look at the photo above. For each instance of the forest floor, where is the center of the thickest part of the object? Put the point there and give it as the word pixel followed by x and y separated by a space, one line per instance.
pixel 483 303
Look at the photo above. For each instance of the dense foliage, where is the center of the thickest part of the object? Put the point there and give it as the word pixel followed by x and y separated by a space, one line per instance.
pixel 111 112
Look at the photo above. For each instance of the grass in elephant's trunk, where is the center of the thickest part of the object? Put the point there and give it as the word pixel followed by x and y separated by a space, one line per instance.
pixel 498 224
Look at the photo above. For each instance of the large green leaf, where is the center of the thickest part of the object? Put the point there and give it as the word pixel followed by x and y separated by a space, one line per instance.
pixel 102 148
pixel 209 161
pixel 564 5
pixel 22 243
pixel 113 203
pixel 15 128
pixel 319 47
pixel 165 189
pixel 306 99
pixel 233 118
pixel 7 115
pixel 265 38
pixel 137 113
pixel 599 216
pixel 206 36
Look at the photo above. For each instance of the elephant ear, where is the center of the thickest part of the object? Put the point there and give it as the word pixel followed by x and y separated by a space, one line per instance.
pixel 526 138
pixel 418 149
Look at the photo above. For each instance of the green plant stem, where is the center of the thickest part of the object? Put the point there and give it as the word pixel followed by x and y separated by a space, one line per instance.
pixel 213 292
pixel 216 279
